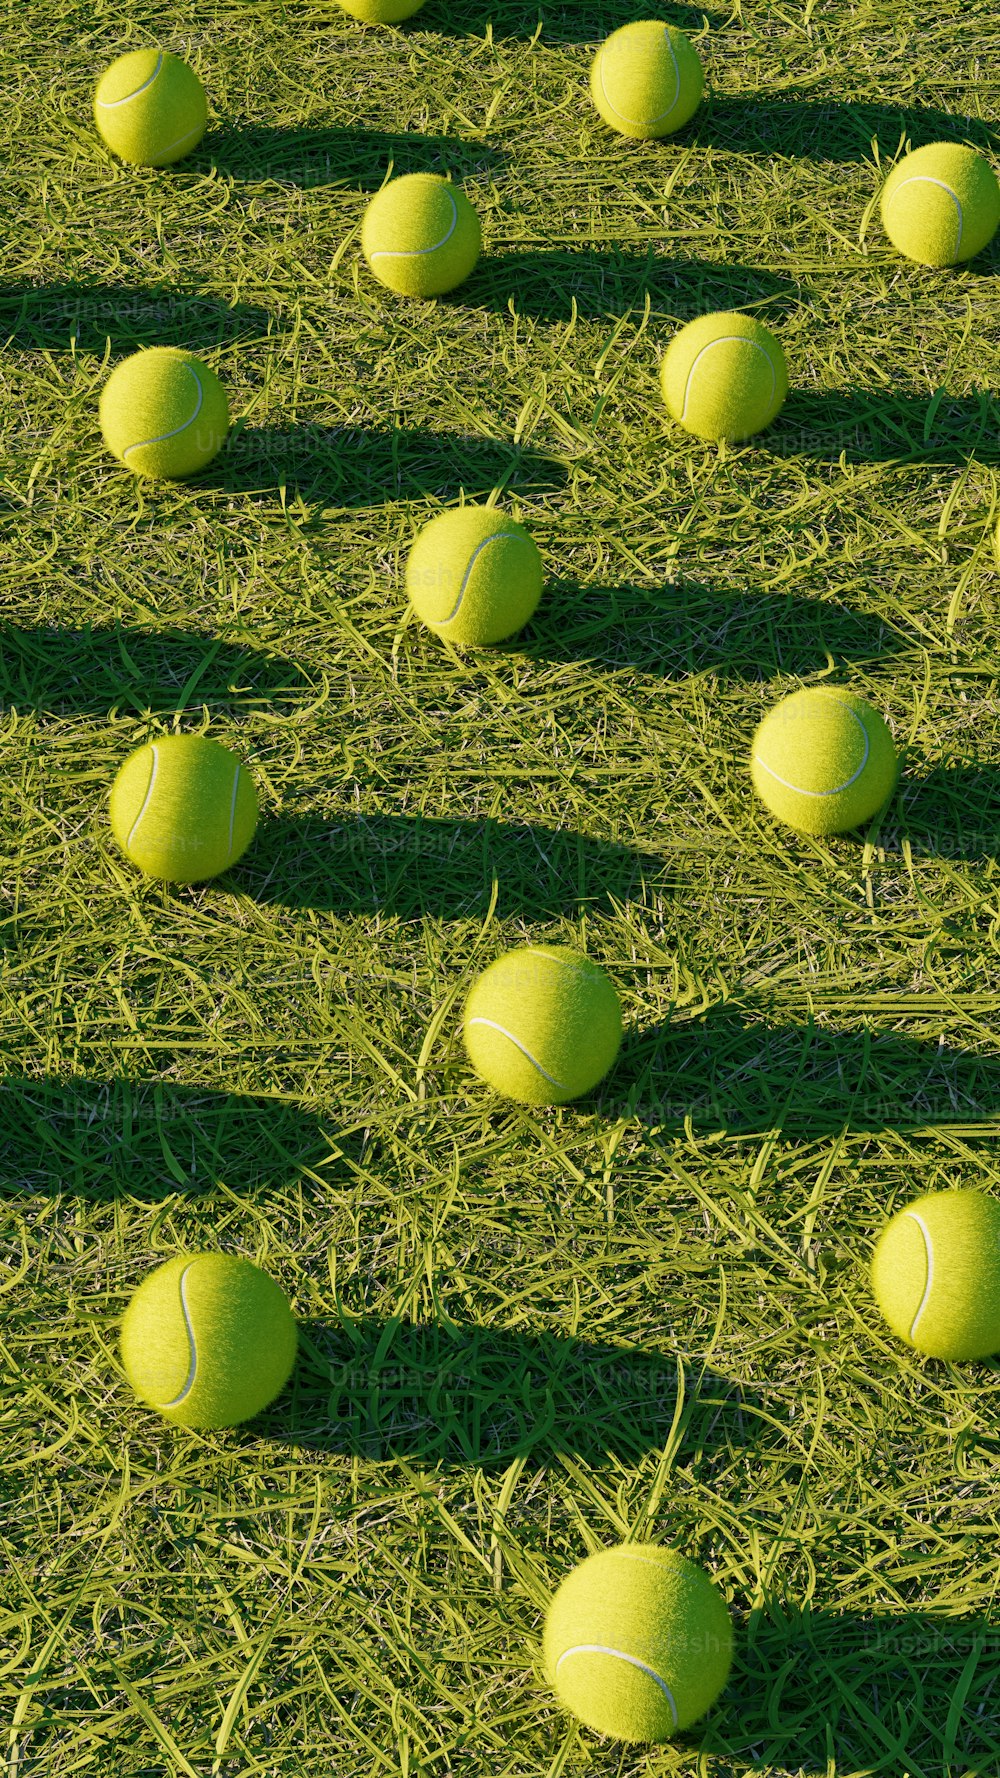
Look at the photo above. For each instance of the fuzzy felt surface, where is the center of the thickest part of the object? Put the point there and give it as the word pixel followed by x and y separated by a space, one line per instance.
pixel 647 79
pixel 420 235
pixel 183 808
pixel 381 12
pixel 543 1024
pixel 150 108
pixel 638 1642
pixel 936 1274
pixel 823 760
pixel 208 1339
pixel 941 204
pixel 474 575
pixel 724 376
pixel 164 413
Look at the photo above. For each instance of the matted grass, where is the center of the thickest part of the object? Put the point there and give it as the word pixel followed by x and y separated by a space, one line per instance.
pixel 525 1335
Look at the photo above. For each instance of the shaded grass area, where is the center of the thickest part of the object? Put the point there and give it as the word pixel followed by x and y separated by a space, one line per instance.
pixel 163 671
pixel 525 1334
pixel 732 1071
pixel 120 1139
pixel 456 1393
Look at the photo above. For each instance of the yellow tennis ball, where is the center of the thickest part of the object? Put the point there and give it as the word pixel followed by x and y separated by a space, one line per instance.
pixel 724 376
pixel 646 79
pixel 638 1642
pixel 382 12
pixel 208 1340
pixel 164 413
pixel 183 808
pixel 936 1274
pixel 823 760
pixel 150 108
pixel 941 204
pixel 543 1024
pixel 474 576
pixel 420 235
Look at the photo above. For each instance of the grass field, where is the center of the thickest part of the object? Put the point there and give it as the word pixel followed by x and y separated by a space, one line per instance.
pixel 525 1335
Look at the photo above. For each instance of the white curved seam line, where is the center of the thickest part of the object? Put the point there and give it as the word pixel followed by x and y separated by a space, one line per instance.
pixel 145 800
pixel 642 122
pixel 929 1251
pixel 564 962
pixel 193 1365
pixel 726 339
pixel 421 252
pixel 837 788
pixel 928 179
pixel 162 439
pixel 526 1053
pixel 650 1561
pixel 110 104
pixel 193 131
pixel 232 809
pixel 618 1654
pixel 477 552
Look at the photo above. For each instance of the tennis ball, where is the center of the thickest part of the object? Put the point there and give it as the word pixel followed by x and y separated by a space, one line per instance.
pixel 474 576
pixel 941 204
pixel 542 1024
pixel 724 376
pixel 638 1642
pixel 823 760
pixel 163 413
pixel 646 79
pixel 150 108
pixel 208 1339
pixel 382 12
pixel 936 1274
pixel 420 235
pixel 183 808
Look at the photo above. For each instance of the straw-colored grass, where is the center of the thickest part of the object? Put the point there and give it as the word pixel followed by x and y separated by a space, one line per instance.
pixel 525 1335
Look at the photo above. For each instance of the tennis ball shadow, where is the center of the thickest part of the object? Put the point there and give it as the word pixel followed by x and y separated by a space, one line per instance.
pixel 355 466
pixel 873 426
pixel 784 126
pixel 148 1139
pixel 460 1393
pixel 61 317
pixel 607 282
pixel 986 263
pixel 414 867
pixel 727 1072
pixel 58 669
pixel 952 811
pixel 555 21
pixel 356 159
pixel 685 628
pixel 814 1691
